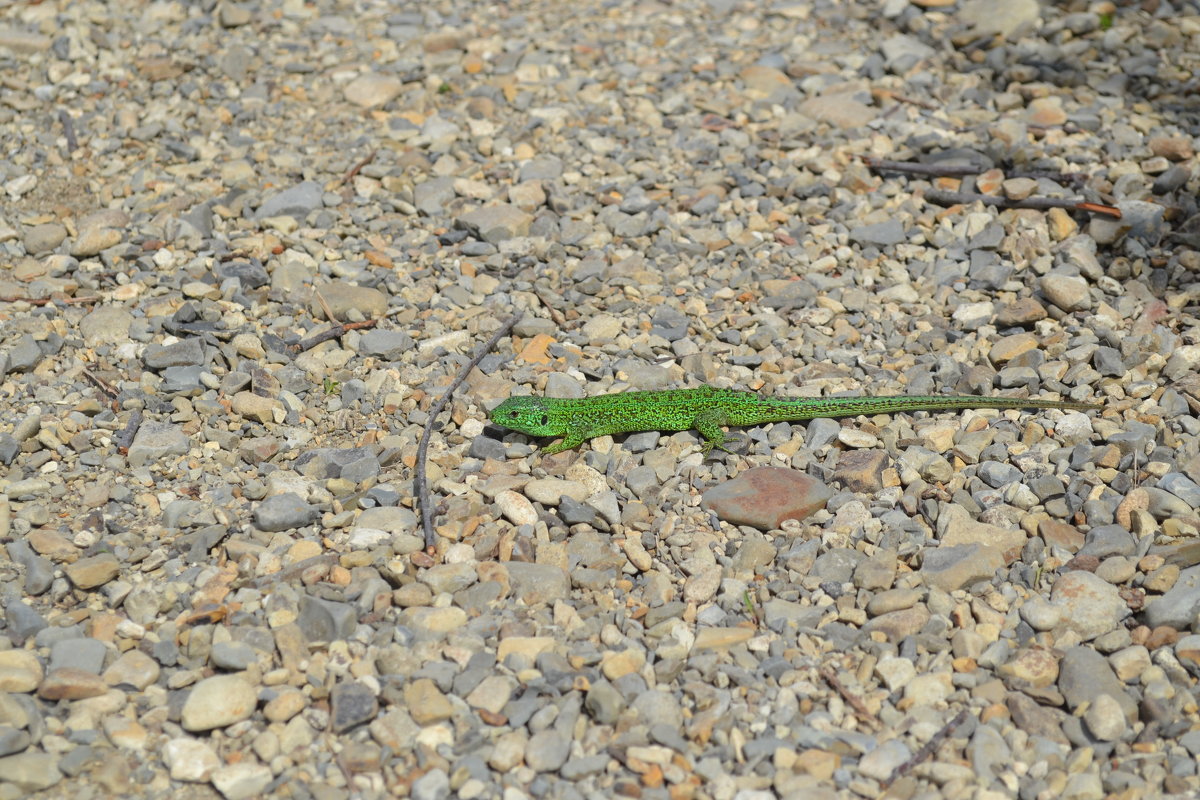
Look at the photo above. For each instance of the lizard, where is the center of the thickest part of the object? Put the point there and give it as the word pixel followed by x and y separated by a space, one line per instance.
pixel 708 409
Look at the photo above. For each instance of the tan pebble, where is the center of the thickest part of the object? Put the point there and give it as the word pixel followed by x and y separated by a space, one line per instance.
pixel 990 182
pixel 1161 579
pixel 285 705
pixel 719 638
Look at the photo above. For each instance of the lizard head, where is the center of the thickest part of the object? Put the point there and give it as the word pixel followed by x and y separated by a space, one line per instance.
pixel 528 415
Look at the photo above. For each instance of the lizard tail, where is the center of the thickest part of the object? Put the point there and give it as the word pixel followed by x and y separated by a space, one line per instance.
pixel 853 406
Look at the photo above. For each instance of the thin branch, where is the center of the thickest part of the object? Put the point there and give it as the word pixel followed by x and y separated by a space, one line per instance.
pixel 101 384
pixel 325 306
pixel 124 438
pixel 338 328
pixel 420 483
pixel 912 167
pixel 900 98
pixel 335 332
pixel 350 173
pixel 295 569
pixel 68 130
pixel 964 170
pixel 927 749
pixel 45 301
pixel 554 313
pixel 938 197
pixel 854 700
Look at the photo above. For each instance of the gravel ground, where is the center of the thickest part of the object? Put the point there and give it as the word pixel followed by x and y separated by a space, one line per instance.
pixel 212 574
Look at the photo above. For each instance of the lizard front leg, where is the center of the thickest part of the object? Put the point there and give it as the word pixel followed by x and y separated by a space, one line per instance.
pixel 709 422
pixel 575 435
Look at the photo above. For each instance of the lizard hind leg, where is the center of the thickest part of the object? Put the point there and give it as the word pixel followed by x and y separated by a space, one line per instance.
pixel 710 422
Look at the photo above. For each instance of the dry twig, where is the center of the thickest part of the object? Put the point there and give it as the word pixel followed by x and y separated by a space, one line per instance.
pixel 927 749
pixel 334 332
pixel 912 101
pixel 420 483
pixel 45 301
pixel 938 197
pixel 350 173
pixel 68 130
pixel 554 313
pixel 124 437
pixel 856 703
pixel 964 170
pixel 101 384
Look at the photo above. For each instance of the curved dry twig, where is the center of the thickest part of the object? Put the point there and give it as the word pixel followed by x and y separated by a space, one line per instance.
pixel 420 484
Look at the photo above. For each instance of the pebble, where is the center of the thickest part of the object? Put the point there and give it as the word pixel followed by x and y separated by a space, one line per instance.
pixel 190 760
pixel 241 781
pixel 764 497
pixel 89 573
pixel 1089 605
pixel 353 704
pixel 30 772
pixel 955 567
pixel 20 671
pixel 70 683
pixel 218 702
pixel 372 89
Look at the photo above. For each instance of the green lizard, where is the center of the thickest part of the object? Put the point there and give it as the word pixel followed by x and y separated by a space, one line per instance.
pixel 708 409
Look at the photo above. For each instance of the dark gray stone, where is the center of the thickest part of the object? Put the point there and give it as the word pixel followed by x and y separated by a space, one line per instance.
pixel 296 202
pixel 184 353
pixel 352 704
pixel 283 512
pixel 431 196
pixel 1108 361
pixel 326 620
pixel 9 447
pixel 1182 487
pixel 1108 540
pixel 234 656
pixel 881 234
pixel 997 474
pixel 541 168
pixel 24 355
pixel 39 572
pixel 603 702
pixel 388 345
pixel 82 653
pixel 1084 675
pixel 156 441
pixel 12 740
pixel 23 622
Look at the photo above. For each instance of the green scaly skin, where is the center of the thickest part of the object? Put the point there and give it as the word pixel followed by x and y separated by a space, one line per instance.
pixel 708 410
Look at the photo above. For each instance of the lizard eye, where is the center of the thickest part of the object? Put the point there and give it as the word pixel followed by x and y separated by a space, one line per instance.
pixel 513 414
pixel 545 419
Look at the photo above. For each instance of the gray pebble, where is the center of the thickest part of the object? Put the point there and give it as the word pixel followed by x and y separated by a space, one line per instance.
pixel 82 653
pixel 184 353
pixel 157 441
pixel 23 621
pixel 296 201
pixel 326 620
pixel 1108 540
pixel 353 704
pixel 547 751
pixel 232 655
pixel 882 234
pixel 283 512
